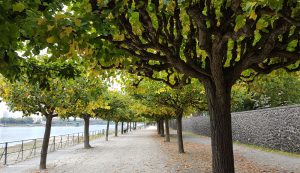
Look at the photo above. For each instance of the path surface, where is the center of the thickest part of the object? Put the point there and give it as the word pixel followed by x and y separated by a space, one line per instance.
pixel 129 153
pixel 144 151
pixel 263 158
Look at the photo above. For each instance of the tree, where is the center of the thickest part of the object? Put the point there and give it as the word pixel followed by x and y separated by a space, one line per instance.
pixel 31 99
pixel 216 42
pixel 278 88
pixel 83 96
pixel 118 103
pixel 24 37
pixel 184 100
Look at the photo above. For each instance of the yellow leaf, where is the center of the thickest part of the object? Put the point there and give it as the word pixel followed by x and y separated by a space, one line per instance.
pixel 50 27
pixel 78 22
pixel 59 16
pixel 40 21
pixel 50 39
pixel 253 15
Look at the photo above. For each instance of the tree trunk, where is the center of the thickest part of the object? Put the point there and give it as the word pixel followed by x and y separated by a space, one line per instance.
pixel 116 129
pixel 107 130
pixel 130 125
pixel 127 127
pixel 158 127
pixel 167 130
pixel 221 133
pixel 86 131
pixel 179 130
pixel 45 144
pixel 122 127
pixel 162 133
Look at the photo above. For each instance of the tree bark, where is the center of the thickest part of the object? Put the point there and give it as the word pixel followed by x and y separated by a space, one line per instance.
pixel 127 127
pixel 116 129
pixel 158 127
pixel 107 130
pixel 44 150
pixel 167 130
pixel 130 125
pixel 86 119
pixel 221 132
pixel 122 127
pixel 162 133
pixel 179 130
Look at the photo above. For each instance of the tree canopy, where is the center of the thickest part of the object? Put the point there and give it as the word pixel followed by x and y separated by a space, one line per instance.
pixel 216 42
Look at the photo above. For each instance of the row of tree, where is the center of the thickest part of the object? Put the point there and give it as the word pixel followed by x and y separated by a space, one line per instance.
pixel 10 120
pixel 82 97
pixel 216 42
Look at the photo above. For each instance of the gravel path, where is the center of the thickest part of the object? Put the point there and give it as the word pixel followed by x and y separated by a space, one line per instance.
pixel 263 158
pixel 129 153
pixel 144 151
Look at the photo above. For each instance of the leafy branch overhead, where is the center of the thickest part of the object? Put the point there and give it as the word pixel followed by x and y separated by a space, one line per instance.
pixel 204 39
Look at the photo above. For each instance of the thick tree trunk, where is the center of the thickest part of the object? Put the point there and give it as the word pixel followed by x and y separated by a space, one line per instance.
pixel 162 133
pixel 158 127
pixel 179 131
pixel 86 131
pixel 130 125
pixel 116 129
pixel 167 130
pixel 107 130
pixel 221 132
pixel 45 144
pixel 122 127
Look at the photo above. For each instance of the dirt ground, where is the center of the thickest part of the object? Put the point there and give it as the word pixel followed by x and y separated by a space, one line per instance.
pixel 197 158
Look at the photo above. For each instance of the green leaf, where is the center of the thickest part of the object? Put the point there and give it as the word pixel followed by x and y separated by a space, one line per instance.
pixel 240 21
pixel 19 7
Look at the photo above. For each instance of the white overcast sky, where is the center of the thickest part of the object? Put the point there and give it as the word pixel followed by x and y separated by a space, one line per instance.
pixel 4 108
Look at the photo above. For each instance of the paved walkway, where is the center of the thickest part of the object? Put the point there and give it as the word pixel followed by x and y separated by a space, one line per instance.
pixel 144 151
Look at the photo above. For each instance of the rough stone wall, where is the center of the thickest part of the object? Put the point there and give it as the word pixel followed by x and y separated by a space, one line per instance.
pixel 275 128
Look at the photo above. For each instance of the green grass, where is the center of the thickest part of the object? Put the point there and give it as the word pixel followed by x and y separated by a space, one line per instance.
pixel 268 149
pixel 251 146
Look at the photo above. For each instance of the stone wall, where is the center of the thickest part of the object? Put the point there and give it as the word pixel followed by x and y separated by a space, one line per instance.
pixel 275 128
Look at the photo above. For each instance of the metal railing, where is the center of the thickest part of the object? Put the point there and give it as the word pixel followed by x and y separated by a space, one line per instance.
pixel 15 151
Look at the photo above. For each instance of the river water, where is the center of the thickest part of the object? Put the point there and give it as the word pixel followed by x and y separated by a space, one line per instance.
pixel 8 134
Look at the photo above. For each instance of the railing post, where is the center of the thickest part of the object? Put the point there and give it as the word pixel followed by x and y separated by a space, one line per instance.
pixel 5 153
pixel 60 141
pixel 22 149
pixel 78 138
pixel 53 143
pixel 34 147
pixel 67 143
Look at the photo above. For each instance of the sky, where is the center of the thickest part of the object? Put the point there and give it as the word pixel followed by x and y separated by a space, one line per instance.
pixel 4 108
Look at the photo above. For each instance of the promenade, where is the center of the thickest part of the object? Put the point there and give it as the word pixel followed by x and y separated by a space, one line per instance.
pixel 143 151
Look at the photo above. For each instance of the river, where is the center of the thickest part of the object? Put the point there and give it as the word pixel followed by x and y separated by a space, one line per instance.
pixel 8 134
